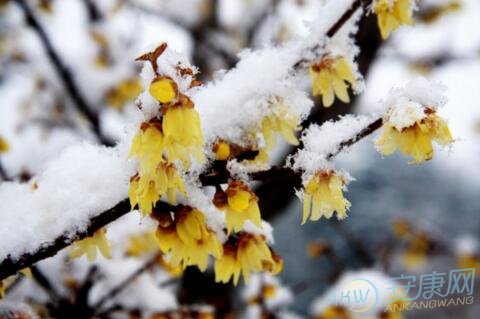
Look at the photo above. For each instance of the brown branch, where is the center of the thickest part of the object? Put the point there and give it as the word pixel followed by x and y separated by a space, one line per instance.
pixel 63 72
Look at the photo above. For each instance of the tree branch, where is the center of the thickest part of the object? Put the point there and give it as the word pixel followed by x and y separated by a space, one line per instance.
pixel 63 72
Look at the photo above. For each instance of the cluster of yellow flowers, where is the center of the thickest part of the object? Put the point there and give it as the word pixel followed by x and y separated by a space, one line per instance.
pixel 323 195
pixel 239 204
pixel 90 245
pixel 243 254
pixel 188 239
pixel 416 139
pixel 331 77
pixel 175 137
pixel 391 14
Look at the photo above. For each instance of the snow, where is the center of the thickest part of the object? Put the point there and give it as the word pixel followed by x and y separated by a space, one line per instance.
pixel 405 106
pixel 320 141
pixel 82 182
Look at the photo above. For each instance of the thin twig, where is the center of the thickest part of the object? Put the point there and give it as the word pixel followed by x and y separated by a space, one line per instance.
pixel 126 282
pixel 63 72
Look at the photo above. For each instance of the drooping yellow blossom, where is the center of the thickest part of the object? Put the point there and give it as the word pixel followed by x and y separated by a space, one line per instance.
pixel 147 146
pixel 239 204
pixel 142 244
pixel 90 245
pixel 125 91
pixel 415 140
pixel 188 239
pixel 330 77
pixel 146 190
pixel 248 253
pixel 182 131
pixel 4 147
pixel 323 195
pixel 281 122
pixel 391 14
pixel 334 312
pixel 163 89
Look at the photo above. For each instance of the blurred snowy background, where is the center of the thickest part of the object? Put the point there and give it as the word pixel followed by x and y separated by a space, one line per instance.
pixel 98 41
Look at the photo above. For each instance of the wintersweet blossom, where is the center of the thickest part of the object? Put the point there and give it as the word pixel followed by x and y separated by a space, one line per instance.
pixel 331 77
pixel 125 91
pixel 239 204
pixel 391 14
pixel 90 245
pixel 142 244
pixel 4 147
pixel 182 130
pixel 415 140
pixel 281 122
pixel 146 190
pixel 188 239
pixel 245 254
pixel 323 195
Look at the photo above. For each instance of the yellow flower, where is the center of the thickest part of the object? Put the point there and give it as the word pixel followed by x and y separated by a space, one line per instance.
pixel 240 204
pixel 4 147
pixel 146 190
pixel 334 312
pixel 222 150
pixel 90 245
pixel 127 90
pixel 182 131
pixel 415 140
pixel 282 123
pixel 147 146
pixel 323 195
pixel 189 240
pixel 391 14
pixel 141 244
pixel 163 89
pixel 245 254
pixel 330 77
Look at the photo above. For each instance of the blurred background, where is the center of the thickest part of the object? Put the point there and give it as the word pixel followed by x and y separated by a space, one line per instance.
pixel 404 219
